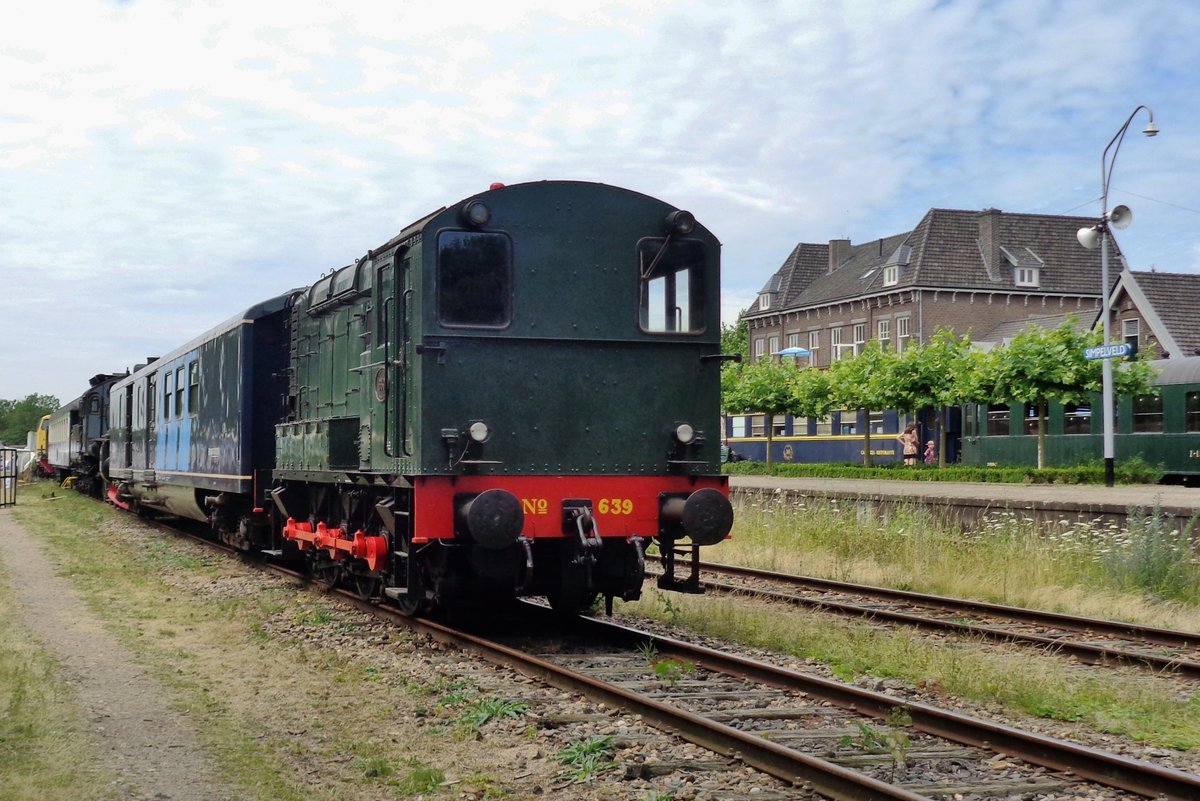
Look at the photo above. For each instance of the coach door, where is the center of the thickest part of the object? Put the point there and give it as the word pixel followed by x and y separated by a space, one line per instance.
pixel 8 476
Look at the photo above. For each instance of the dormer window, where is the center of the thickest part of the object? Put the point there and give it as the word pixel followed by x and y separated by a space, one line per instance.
pixel 764 300
pixel 1026 265
pixel 1026 276
pixel 891 275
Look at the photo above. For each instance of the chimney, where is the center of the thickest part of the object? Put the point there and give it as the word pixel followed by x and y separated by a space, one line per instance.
pixel 839 251
pixel 989 240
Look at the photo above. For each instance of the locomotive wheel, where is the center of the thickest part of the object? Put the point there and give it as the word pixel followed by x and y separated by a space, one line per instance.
pixel 324 569
pixel 368 585
pixel 572 601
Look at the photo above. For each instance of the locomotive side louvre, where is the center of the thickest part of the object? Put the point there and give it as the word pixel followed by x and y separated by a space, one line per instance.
pixel 513 396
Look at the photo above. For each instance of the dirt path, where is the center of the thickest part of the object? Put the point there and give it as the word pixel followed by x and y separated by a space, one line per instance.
pixel 153 750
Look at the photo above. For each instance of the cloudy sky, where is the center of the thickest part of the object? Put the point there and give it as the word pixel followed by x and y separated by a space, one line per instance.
pixel 164 165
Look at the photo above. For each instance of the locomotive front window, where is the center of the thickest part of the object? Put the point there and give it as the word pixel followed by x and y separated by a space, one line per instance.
pixel 672 296
pixel 474 274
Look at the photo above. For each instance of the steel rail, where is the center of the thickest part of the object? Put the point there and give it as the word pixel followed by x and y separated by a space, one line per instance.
pixel 1159 636
pixel 800 769
pixel 1088 653
pixel 1102 767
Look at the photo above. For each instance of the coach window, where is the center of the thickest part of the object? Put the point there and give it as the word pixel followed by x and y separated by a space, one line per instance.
pixel 758 425
pixel 672 295
pixel 997 421
pixel 1191 411
pixel 193 387
pixel 474 279
pixel 799 426
pixel 1077 419
pixel 737 427
pixel 151 400
pixel 1147 414
pixel 179 388
pixel 167 395
pixel 1032 422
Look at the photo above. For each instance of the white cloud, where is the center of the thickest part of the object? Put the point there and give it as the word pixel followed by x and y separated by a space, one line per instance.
pixel 182 158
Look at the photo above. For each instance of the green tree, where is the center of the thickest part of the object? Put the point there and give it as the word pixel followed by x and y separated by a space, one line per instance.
pixel 1041 364
pixel 945 372
pixel 762 387
pixel 865 382
pixel 736 338
pixel 18 417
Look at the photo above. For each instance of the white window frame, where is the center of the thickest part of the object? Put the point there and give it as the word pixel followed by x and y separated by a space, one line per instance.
pixel 883 331
pixel 793 340
pixel 1131 329
pixel 860 337
pixel 760 347
pixel 764 301
pixel 835 343
pixel 903 334
pixel 891 275
pixel 1026 276
pixel 814 341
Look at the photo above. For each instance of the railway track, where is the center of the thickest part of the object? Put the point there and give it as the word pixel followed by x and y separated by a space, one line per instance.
pixel 816 735
pixel 1089 640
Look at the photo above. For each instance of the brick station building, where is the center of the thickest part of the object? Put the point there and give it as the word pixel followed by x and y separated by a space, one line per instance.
pixel 974 272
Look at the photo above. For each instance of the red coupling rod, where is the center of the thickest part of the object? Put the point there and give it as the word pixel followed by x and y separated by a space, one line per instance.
pixel 372 549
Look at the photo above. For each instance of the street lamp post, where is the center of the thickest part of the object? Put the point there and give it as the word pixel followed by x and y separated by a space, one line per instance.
pixel 1120 217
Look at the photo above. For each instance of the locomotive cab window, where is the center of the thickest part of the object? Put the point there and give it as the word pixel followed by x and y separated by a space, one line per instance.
pixel 474 279
pixel 672 296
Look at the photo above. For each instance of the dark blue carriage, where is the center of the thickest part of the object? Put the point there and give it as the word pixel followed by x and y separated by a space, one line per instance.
pixel 192 433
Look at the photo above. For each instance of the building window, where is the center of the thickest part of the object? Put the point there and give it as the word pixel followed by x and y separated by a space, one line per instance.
pixel 764 301
pixel 1192 411
pixel 891 275
pixel 760 347
pixel 997 421
pixel 793 340
pixel 773 345
pixel 814 341
pixel 1077 419
pixel 902 332
pixel 860 337
pixel 883 332
pixel 835 343
pixel 1026 276
pixel 1132 331
pixel 1147 414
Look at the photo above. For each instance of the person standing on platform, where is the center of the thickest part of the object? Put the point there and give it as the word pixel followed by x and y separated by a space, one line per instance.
pixel 909 440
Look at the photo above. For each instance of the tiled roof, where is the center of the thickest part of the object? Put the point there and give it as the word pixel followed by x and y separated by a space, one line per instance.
pixel 948 249
pixel 1006 331
pixel 1174 298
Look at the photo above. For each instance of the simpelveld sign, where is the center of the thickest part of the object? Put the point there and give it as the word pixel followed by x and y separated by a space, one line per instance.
pixel 1118 351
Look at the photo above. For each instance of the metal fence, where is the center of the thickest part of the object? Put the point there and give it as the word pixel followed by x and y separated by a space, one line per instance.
pixel 8 476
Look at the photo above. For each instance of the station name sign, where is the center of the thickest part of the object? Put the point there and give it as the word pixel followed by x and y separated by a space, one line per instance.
pixel 1108 351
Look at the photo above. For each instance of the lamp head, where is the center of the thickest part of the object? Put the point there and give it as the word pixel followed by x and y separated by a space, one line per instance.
pixel 1089 237
pixel 1151 129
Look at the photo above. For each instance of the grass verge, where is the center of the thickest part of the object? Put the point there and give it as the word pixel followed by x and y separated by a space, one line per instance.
pixel 284 719
pixel 43 751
